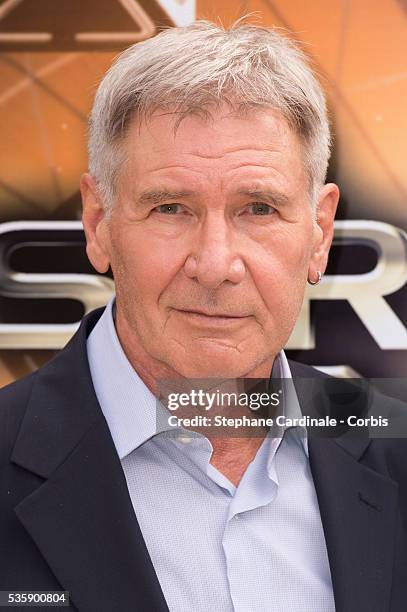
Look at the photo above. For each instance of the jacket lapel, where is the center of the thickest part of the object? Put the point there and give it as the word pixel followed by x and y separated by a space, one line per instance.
pixel 81 517
pixel 359 510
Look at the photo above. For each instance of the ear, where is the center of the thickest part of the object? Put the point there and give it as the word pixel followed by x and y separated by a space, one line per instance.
pixel 95 224
pixel 324 229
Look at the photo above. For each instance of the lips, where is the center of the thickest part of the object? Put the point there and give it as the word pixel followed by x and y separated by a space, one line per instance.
pixel 213 322
pixel 214 315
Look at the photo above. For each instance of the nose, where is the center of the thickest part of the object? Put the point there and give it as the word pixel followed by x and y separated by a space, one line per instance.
pixel 214 258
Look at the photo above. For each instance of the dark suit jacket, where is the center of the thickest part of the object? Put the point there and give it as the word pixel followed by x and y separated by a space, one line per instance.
pixel 67 522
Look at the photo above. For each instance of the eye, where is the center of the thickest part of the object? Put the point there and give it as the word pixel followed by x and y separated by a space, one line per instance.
pixel 169 209
pixel 260 209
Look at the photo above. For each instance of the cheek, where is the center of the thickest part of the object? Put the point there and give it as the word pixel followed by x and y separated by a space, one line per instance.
pixel 279 269
pixel 143 267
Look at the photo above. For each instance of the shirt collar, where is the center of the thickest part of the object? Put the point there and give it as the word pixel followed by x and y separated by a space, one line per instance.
pixel 129 407
pixel 291 406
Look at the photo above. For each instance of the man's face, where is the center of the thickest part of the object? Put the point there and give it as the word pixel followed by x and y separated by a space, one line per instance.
pixel 210 241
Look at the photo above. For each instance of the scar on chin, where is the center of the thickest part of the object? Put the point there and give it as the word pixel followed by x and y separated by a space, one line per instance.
pixel 218 342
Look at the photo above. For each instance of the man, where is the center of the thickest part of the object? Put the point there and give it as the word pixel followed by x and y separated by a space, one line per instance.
pixel 206 196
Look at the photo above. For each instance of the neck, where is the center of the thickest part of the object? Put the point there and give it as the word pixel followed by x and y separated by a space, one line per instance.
pixel 232 456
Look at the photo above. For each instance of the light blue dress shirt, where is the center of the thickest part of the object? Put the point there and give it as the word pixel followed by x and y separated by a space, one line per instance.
pixel 257 547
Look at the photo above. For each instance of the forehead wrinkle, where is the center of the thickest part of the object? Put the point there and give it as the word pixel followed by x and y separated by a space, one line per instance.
pixel 263 166
pixel 239 149
pixel 170 167
pixel 180 167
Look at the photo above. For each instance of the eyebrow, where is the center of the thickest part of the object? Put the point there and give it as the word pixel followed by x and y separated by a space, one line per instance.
pixel 279 199
pixel 157 196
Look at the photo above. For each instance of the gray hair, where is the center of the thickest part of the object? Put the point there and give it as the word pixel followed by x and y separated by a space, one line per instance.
pixel 191 69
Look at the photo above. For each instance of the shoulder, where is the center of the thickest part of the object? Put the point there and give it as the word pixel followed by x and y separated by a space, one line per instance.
pixel 63 382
